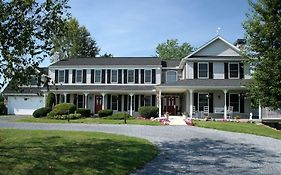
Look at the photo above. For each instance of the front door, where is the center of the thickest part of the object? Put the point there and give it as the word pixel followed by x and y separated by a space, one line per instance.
pixel 98 103
pixel 171 107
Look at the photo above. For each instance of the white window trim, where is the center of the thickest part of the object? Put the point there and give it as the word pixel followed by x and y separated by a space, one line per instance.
pixel 203 93
pixel 229 70
pixel 96 76
pixel 172 71
pixel 77 75
pixel 112 76
pixel 199 70
pixel 128 76
pixel 59 76
pixel 238 102
pixel 148 82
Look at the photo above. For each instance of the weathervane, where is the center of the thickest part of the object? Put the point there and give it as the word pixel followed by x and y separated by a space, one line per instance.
pixel 218 30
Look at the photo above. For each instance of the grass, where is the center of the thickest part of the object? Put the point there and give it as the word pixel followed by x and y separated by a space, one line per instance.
pixel 71 152
pixel 89 121
pixel 249 128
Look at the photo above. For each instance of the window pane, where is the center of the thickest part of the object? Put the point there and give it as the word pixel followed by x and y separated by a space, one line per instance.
pixel 80 101
pixel 61 76
pixel 171 76
pixel 131 76
pixel 97 76
pixel 234 101
pixel 147 100
pixel 79 76
pixel 114 102
pixel 203 101
pixel 147 76
pixel 203 70
pixel 114 76
pixel 233 70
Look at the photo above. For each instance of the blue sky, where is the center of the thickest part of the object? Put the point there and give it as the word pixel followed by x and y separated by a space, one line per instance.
pixel 135 27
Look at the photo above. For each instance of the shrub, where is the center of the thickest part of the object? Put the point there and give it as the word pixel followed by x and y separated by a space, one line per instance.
pixel 62 109
pixel 3 109
pixel 105 113
pixel 50 100
pixel 119 116
pixel 41 112
pixel 148 111
pixel 66 117
pixel 84 112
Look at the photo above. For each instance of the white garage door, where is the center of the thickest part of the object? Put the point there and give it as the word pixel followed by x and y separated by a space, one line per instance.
pixel 24 105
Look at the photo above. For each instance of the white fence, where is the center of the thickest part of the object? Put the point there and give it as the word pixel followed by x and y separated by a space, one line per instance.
pixel 267 113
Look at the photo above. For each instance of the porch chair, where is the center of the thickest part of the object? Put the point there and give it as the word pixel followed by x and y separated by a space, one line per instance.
pixel 206 110
pixel 194 112
pixel 230 112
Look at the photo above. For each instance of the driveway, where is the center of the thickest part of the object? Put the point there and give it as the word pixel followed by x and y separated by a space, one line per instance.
pixel 190 150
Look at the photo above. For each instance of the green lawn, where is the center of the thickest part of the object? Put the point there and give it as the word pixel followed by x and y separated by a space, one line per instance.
pixel 70 152
pixel 89 120
pixel 248 128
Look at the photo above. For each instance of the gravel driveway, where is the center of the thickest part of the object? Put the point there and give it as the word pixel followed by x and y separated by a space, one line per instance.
pixel 190 150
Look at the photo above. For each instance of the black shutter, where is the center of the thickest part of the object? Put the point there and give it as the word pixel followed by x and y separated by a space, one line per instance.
pixel 92 76
pixel 241 69
pixel 68 98
pixel 108 101
pixel 225 70
pixel 73 76
pixel 227 100
pixel 119 103
pixel 195 70
pixel 108 76
pixel 195 101
pixel 153 76
pixel 119 76
pixel 153 100
pixel 136 103
pixel 211 102
pixel 103 76
pixel 56 76
pixel 136 76
pixel 142 100
pixel 84 76
pixel 126 102
pixel 211 74
pixel 125 76
pixel 66 73
pixel 242 104
pixel 142 76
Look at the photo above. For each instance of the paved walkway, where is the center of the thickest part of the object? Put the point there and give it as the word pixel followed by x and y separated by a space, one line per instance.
pixel 190 150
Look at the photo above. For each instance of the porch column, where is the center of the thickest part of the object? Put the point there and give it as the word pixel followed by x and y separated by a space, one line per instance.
pixel 65 95
pixel 45 97
pixel 103 98
pixel 86 100
pixel 260 111
pixel 131 104
pixel 225 107
pixel 160 105
pixel 191 102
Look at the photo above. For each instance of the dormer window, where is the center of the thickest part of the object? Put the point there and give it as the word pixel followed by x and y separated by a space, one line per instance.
pixel 233 70
pixel 61 76
pixel 203 71
pixel 171 76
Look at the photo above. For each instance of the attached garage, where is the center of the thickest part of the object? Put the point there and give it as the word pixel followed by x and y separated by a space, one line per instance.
pixel 24 105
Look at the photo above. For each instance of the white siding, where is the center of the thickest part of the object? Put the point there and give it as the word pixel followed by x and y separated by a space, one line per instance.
pixel 218 70
pixel 189 70
pixel 158 76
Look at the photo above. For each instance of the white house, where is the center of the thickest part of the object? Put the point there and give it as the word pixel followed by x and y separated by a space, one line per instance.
pixel 211 79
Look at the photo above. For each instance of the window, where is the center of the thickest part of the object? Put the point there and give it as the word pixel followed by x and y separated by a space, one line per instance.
pixel 234 101
pixel 233 70
pixel 147 77
pixel 203 101
pixel 79 76
pixel 80 101
pixel 147 100
pixel 203 70
pixel 131 76
pixel 114 76
pixel 171 76
pixel 97 76
pixel 114 102
pixel 61 76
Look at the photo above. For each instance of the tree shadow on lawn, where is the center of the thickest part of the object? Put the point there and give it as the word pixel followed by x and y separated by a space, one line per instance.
pixel 55 155
pixel 206 156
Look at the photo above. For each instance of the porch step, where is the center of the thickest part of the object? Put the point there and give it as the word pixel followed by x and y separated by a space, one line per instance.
pixel 177 120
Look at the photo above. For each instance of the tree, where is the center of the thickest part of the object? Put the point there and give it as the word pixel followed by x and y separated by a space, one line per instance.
pixel 263 46
pixel 107 55
pixel 26 27
pixel 171 50
pixel 76 42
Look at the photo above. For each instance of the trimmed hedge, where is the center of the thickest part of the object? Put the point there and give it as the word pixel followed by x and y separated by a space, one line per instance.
pixel 66 117
pixel 119 116
pixel 50 100
pixel 3 109
pixel 148 111
pixel 62 109
pixel 84 112
pixel 41 112
pixel 105 113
